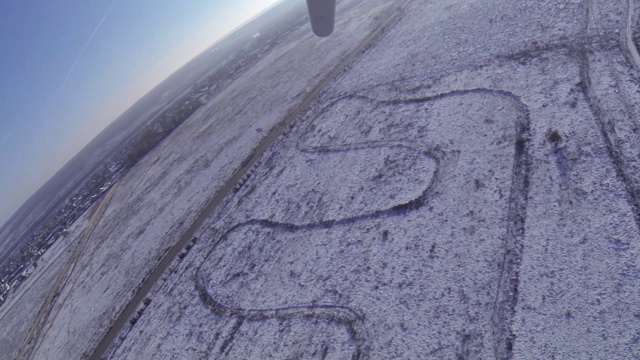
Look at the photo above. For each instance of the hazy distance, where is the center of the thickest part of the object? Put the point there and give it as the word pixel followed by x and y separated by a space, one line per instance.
pixel 69 68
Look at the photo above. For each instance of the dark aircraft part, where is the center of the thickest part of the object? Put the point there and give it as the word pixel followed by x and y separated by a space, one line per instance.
pixel 322 14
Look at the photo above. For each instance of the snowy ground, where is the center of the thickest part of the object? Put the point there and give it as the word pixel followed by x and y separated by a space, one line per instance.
pixel 159 198
pixel 21 308
pixel 467 189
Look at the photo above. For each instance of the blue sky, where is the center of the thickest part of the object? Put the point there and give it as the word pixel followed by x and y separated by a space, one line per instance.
pixel 70 67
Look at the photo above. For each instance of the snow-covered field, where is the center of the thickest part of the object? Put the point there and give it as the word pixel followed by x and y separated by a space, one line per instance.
pixel 467 189
pixel 159 198
pixel 21 309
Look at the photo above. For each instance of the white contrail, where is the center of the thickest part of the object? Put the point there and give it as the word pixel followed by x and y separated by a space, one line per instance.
pixel 84 48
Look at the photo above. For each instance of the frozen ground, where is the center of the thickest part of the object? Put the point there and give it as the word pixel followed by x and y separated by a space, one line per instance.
pixel 158 199
pixel 467 189
pixel 21 309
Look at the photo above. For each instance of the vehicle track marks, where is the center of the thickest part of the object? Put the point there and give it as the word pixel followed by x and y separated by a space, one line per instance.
pixel 41 324
pixel 279 129
pixel 506 295
pixel 604 121
pixel 630 44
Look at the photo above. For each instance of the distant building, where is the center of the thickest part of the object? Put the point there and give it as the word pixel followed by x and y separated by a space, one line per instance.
pixel 105 187
pixel 28 271
pixel 114 167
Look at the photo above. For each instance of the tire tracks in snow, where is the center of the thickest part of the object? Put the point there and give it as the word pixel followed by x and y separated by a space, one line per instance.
pixel 506 296
pixel 605 122
pixel 237 177
pixel 41 324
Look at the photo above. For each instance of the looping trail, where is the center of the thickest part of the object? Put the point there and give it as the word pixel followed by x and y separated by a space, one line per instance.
pixel 507 289
pixel 237 176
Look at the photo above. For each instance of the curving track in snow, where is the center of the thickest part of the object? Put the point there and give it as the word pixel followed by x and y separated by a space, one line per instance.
pixel 353 319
